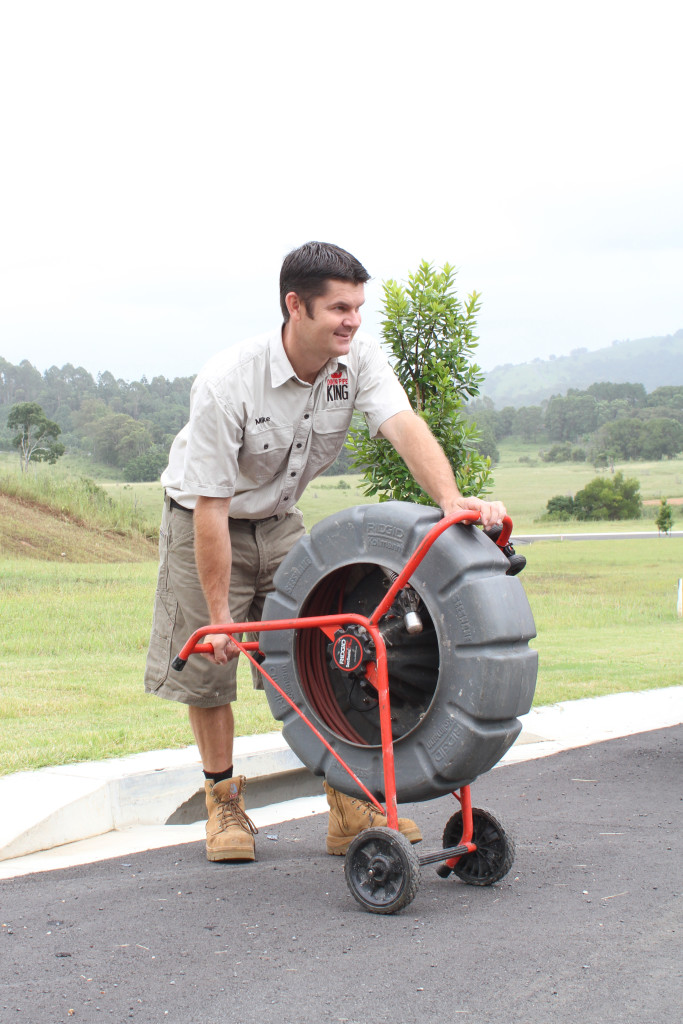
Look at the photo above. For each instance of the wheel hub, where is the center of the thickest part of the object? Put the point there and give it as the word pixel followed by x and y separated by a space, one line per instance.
pixel 379 869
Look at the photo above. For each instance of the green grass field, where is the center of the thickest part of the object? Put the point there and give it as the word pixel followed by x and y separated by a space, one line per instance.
pixel 605 613
pixel 521 480
pixel 525 487
pixel 74 639
pixel 74 636
pixel 326 495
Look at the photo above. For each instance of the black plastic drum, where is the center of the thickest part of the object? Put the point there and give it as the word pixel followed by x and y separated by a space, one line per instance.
pixel 460 668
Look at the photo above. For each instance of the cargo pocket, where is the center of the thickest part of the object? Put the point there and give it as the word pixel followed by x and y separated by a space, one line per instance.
pixel 159 652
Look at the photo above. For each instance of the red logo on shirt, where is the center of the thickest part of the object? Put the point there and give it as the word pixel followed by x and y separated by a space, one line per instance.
pixel 337 387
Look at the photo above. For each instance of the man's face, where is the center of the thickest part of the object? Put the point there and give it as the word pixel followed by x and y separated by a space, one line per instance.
pixel 328 326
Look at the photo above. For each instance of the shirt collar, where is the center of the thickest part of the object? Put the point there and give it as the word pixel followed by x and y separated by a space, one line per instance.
pixel 281 369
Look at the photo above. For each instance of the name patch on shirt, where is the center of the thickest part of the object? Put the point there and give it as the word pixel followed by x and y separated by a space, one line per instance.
pixel 337 387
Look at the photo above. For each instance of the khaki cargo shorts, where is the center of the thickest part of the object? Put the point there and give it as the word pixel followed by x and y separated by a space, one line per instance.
pixel 258 547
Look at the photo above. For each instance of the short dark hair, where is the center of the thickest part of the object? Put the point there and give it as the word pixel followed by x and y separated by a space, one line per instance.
pixel 307 270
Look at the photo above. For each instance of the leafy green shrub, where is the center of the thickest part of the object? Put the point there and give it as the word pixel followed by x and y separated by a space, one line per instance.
pixel 558 453
pixel 560 508
pixel 430 334
pixel 609 497
pixel 664 520
pixel 600 458
pixel 563 453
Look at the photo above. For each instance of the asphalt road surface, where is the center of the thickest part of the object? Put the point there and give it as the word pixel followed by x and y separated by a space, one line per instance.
pixel 585 927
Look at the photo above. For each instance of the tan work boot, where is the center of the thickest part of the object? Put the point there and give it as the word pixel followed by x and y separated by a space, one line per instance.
pixel 229 831
pixel 350 815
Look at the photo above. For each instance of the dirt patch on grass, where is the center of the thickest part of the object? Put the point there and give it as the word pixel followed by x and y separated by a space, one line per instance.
pixel 670 501
pixel 30 530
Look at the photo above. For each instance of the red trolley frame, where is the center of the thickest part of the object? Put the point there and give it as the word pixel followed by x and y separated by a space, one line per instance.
pixel 377 675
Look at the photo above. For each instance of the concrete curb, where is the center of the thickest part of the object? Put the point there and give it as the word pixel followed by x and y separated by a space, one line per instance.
pixel 157 795
pixel 54 806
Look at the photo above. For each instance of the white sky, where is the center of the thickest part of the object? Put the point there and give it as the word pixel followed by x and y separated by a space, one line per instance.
pixel 159 158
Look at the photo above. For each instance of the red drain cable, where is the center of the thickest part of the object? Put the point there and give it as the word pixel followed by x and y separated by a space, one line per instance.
pixel 312 662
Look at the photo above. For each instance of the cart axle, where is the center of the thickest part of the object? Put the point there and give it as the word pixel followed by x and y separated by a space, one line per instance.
pixel 446 854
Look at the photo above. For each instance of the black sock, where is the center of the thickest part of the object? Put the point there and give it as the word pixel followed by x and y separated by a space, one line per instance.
pixel 218 776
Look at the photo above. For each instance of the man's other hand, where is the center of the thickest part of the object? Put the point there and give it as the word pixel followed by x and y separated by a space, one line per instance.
pixel 224 650
pixel 491 513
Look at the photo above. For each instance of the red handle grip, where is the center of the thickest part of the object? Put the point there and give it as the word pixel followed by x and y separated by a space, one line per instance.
pixel 506 532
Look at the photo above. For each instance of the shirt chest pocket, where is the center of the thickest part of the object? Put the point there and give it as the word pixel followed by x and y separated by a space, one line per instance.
pixel 329 433
pixel 265 452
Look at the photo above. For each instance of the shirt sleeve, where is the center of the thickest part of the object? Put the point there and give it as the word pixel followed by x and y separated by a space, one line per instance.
pixel 214 441
pixel 380 394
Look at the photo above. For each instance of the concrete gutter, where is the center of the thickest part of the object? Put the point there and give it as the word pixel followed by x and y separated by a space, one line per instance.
pixel 53 806
pixel 91 811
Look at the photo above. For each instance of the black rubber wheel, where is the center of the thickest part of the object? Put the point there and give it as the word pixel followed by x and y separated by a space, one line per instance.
pixel 382 870
pixel 456 688
pixel 495 851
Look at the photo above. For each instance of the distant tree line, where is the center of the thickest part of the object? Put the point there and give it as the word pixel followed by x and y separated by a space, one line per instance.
pixel 128 425
pixel 603 424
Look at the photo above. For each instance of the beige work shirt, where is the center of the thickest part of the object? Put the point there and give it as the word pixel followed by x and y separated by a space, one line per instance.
pixel 259 435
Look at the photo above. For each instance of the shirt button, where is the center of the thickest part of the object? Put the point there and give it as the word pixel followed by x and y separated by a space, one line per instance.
pixel 306 415
pixel 292 474
pixel 299 444
pixel 265 446
pixel 285 497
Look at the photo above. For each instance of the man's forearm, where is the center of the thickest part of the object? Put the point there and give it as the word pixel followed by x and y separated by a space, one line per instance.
pixel 426 460
pixel 424 457
pixel 213 554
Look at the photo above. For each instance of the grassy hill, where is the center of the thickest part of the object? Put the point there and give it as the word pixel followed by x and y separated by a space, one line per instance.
pixel 48 515
pixel 59 516
pixel 31 530
pixel 653 362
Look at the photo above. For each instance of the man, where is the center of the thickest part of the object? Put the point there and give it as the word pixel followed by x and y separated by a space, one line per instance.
pixel 266 418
